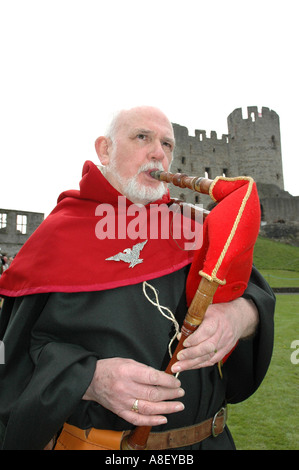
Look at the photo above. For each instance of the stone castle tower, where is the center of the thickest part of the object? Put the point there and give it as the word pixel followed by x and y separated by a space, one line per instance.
pixel 255 145
pixel 252 147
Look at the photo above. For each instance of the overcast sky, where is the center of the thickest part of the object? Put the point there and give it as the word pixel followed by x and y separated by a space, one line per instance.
pixel 67 65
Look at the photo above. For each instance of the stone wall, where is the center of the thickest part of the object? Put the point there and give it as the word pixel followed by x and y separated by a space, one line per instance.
pixel 15 228
pixel 252 147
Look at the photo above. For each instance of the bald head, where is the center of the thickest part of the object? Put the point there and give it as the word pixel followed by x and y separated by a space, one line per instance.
pixel 126 116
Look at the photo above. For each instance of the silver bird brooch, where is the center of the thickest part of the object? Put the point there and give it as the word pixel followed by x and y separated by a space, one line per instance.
pixel 129 255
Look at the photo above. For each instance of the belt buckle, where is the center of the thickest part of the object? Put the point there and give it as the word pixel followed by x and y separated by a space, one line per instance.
pixel 222 411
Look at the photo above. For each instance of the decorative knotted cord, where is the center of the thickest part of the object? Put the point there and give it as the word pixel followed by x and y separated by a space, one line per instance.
pixel 169 315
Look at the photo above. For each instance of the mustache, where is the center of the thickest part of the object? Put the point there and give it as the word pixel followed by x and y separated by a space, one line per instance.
pixel 151 166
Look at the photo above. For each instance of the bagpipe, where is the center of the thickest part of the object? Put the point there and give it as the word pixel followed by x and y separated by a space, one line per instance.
pixel 221 268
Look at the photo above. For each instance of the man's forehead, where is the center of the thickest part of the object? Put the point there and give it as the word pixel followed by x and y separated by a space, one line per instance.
pixel 146 119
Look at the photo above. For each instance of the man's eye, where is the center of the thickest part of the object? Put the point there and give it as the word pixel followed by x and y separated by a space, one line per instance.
pixel 141 136
pixel 167 144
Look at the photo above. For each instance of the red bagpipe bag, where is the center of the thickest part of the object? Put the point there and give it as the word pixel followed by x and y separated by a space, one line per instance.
pixel 229 235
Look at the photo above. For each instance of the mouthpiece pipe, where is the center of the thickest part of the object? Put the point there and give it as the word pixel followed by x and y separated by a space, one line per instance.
pixel 195 183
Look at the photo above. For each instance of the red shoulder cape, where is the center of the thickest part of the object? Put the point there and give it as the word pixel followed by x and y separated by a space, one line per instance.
pixel 65 253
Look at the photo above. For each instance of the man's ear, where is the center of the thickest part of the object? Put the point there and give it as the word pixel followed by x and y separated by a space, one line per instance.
pixel 102 146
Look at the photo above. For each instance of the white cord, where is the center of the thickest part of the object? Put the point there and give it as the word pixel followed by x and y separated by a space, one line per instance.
pixel 161 309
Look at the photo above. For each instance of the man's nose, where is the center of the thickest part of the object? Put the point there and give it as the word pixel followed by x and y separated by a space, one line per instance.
pixel 157 151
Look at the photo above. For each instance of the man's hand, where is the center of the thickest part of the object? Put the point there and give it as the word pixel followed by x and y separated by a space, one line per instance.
pixel 223 325
pixel 118 382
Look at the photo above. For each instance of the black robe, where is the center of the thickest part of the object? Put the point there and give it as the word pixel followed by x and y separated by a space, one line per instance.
pixel 52 342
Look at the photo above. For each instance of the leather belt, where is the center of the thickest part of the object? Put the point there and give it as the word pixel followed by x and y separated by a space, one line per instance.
pixel 73 438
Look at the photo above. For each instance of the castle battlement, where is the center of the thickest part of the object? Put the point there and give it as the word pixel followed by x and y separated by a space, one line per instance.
pixel 252 147
pixel 253 114
pixel 200 135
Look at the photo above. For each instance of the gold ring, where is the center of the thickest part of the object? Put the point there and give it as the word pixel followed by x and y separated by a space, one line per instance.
pixel 135 406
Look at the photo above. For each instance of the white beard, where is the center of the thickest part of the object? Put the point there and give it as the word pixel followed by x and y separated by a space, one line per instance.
pixel 133 189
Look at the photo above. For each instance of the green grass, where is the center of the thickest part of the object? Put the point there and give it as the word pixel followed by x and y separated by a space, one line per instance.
pixel 277 262
pixel 281 278
pixel 268 420
pixel 270 254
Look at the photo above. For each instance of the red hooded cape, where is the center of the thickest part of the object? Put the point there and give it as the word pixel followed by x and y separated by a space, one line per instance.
pixel 65 253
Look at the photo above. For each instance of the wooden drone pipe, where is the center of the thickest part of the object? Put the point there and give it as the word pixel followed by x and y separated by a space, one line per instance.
pixel 195 183
pixel 137 439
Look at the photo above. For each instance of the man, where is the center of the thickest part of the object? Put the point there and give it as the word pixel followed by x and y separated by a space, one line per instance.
pixel 87 344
